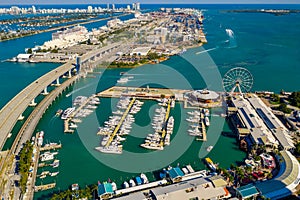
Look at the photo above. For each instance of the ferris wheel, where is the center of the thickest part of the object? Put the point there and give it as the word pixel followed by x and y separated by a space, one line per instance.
pixel 239 79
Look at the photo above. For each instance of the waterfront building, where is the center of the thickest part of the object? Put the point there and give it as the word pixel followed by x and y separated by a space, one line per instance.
pixel 280 132
pixel 76 30
pixel 203 98
pixel 283 185
pixel 140 51
pixel 23 57
pixel 199 188
pixel 247 192
pixel 113 7
pixel 105 190
pixel 175 174
pixel 249 125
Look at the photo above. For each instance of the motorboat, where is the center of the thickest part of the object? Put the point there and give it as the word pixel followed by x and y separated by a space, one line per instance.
pixel 67 113
pixel 209 148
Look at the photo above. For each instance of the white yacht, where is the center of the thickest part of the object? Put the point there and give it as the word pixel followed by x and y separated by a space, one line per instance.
pixel 67 113
pixel 122 80
pixel 209 148
pixel 114 149
pixel 144 178
pixel 206 121
pixel 132 183
pixel 126 184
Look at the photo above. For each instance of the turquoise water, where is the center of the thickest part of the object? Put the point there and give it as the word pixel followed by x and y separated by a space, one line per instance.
pixel 265 44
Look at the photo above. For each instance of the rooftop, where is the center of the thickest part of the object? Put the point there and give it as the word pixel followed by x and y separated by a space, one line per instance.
pixel 205 94
pixel 200 187
pixel 247 191
pixel 286 180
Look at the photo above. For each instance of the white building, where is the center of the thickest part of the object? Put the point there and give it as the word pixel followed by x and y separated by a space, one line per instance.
pixel 138 6
pixel 33 10
pixel 140 51
pixel 89 9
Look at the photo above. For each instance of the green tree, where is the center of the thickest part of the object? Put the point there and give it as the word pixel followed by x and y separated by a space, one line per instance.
pixel 295 99
pixel 283 107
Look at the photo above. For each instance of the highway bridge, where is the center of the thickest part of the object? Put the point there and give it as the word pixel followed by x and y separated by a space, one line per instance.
pixel 14 109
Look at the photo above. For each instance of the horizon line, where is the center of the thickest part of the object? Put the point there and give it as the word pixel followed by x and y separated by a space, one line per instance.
pixel 283 3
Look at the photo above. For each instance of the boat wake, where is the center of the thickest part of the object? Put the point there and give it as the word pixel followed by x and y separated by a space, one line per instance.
pixel 77 90
pixel 200 52
pixel 275 45
pixel 231 41
pixel 51 122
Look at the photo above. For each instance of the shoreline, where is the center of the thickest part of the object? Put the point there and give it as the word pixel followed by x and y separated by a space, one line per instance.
pixel 66 26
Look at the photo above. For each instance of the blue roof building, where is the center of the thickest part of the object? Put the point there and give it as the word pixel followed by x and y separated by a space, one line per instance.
pixel 105 190
pixel 247 191
pixel 175 174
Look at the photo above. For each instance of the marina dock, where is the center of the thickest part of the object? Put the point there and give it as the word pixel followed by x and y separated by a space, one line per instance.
pixel 112 136
pixel 67 128
pixel 44 187
pixel 51 147
pixel 163 134
pixel 142 93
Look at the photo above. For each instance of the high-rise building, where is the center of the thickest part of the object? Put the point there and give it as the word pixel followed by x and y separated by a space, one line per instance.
pixel 107 6
pixel 33 10
pixel 90 9
pixel 15 10
pixel 133 6
pixel 113 7
pixel 138 6
pixel 128 7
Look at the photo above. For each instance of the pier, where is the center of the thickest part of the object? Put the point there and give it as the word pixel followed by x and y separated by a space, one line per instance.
pixel 50 147
pixel 70 118
pixel 111 137
pixel 44 187
pixel 163 134
pixel 143 93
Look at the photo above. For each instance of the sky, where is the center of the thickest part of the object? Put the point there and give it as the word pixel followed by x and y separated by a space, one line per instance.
pixel 35 2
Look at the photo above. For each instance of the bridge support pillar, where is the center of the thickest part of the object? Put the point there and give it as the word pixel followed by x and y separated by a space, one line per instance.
pixel 57 82
pixel 32 103
pixel 21 117
pixel 70 74
pixel 45 91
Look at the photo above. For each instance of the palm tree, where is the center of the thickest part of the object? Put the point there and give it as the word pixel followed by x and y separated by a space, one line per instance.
pixel 94 189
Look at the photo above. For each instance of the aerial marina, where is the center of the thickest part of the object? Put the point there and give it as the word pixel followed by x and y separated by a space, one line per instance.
pixel 139 131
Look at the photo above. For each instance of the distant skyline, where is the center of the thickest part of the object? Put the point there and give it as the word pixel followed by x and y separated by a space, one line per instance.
pixel 37 2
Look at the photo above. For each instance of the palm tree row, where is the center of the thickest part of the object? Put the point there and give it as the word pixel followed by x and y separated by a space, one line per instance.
pixel 89 192
pixel 25 163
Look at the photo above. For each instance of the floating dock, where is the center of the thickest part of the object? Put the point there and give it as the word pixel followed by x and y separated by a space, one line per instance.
pixel 51 147
pixel 44 187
